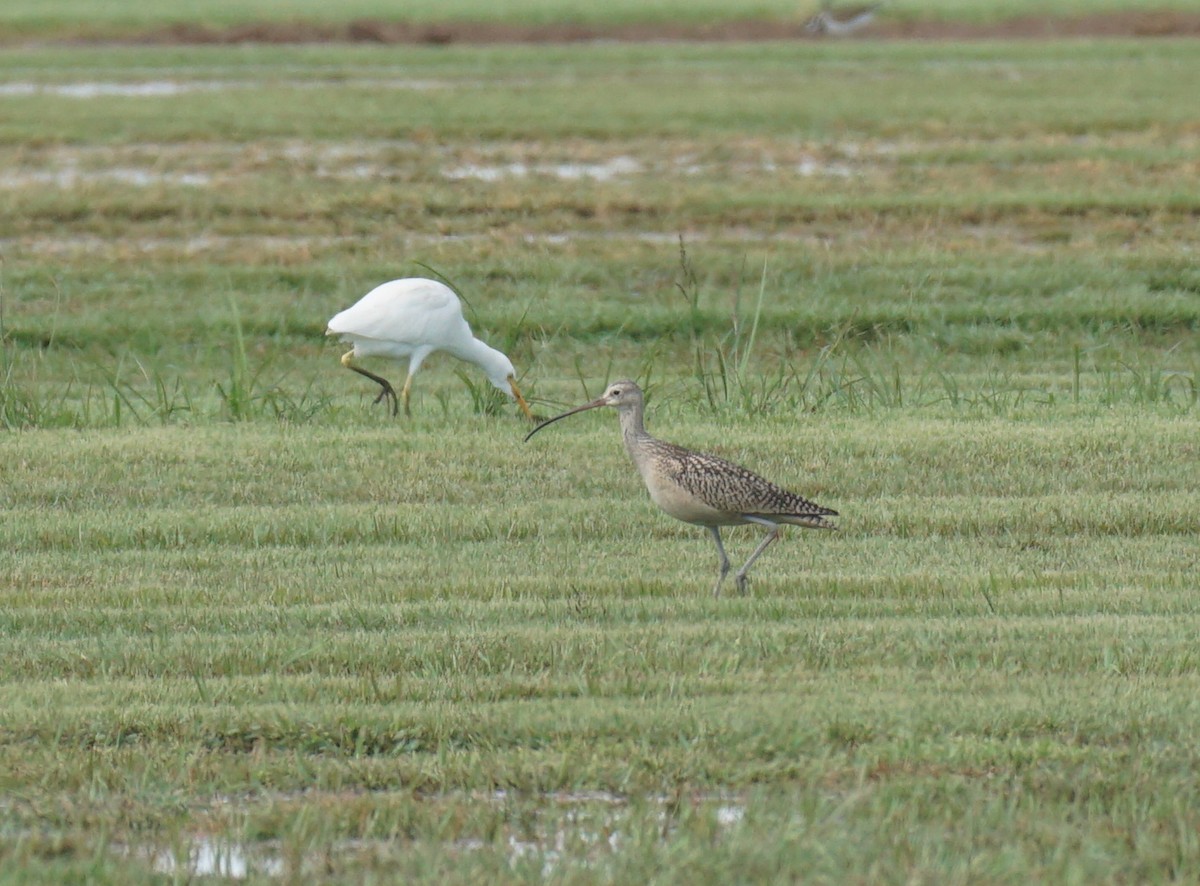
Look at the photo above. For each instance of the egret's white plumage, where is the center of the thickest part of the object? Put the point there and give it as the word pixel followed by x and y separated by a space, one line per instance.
pixel 413 317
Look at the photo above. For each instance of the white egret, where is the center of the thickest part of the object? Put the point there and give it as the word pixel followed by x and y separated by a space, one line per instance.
pixel 413 317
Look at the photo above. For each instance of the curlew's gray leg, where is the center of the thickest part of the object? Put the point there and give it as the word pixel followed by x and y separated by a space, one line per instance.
pixel 384 384
pixel 724 567
pixel 772 535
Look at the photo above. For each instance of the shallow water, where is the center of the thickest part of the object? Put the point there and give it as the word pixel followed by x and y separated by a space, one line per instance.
pixel 607 171
pixel 213 244
pixel 148 89
pixel 72 177
pixel 593 824
pixel 212 857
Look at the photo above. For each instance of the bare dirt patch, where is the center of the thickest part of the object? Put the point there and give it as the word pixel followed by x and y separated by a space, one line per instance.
pixel 1122 24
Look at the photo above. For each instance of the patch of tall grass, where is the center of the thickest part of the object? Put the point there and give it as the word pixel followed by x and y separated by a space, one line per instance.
pixel 729 376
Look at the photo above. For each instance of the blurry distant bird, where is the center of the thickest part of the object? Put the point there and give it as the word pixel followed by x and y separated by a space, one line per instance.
pixel 841 21
pixel 413 317
pixel 703 489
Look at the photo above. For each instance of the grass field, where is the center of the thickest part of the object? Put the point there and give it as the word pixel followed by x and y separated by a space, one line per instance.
pixel 255 628
pixel 24 19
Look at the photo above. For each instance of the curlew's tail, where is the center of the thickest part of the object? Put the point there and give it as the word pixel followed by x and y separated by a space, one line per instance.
pixel 809 521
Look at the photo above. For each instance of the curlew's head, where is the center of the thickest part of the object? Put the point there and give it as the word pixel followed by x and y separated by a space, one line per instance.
pixel 621 395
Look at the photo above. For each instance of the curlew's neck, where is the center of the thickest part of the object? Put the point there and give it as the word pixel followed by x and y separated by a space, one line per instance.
pixel 633 430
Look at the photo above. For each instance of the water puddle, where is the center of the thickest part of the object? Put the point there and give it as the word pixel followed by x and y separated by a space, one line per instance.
pixel 73 177
pixel 607 171
pixel 587 833
pixel 550 850
pixel 226 165
pixel 808 168
pixel 149 89
pixel 728 816
pixel 212 857
pixel 627 167
pixel 215 245
pixel 592 825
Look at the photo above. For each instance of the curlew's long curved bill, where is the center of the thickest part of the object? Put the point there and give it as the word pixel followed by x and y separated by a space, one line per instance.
pixel 520 400
pixel 595 404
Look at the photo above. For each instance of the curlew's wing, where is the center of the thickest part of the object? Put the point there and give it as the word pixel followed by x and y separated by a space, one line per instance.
pixel 729 487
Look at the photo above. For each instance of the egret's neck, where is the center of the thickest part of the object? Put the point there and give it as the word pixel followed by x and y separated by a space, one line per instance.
pixel 497 366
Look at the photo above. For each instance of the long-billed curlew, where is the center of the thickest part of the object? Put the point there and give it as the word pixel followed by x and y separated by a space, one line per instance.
pixel 413 317
pixel 703 489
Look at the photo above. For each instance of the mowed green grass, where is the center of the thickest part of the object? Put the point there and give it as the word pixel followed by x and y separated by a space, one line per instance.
pixel 253 626
pixel 407 651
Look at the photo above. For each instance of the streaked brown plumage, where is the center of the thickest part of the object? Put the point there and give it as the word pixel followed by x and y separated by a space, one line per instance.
pixel 702 489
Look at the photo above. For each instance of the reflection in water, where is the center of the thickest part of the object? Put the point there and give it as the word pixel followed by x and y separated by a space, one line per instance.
pixel 218 858
pixel 584 836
